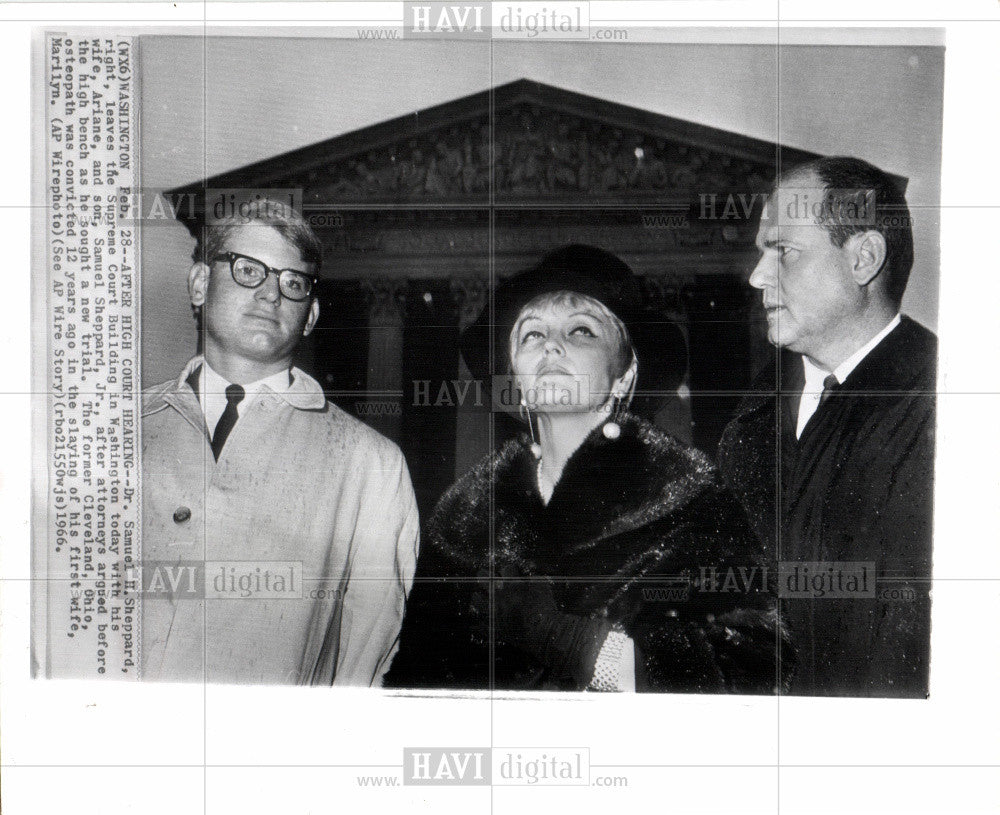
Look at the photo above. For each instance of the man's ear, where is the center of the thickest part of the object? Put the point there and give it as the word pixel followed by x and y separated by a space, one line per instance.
pixel 198 284
pixel 311 318
pixel 868 256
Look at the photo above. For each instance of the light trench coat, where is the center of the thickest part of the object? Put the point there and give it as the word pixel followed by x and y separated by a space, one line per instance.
pixel 298 485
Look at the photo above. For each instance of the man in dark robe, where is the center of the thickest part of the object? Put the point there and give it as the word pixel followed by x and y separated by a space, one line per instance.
pixel 832 452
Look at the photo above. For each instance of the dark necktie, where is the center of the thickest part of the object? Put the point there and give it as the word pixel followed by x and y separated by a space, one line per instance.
pixel 829 384
pixel 234 395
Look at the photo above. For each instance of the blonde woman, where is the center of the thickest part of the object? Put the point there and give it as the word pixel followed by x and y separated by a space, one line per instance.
pixel 575 558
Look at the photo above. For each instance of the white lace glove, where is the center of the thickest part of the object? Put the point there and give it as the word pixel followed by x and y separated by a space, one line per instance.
pixel 615 668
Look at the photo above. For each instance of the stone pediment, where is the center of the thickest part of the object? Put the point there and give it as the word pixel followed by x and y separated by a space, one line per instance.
pixel 541 145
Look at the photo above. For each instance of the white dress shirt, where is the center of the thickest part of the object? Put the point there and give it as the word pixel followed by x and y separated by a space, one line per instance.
pixel 212 393
pixel 813 389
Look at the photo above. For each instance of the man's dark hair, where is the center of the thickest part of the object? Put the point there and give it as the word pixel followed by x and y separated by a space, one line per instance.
pixel 277 215
pixel 859 197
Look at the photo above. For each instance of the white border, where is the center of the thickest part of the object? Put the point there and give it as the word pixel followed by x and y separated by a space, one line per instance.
pixel 47 723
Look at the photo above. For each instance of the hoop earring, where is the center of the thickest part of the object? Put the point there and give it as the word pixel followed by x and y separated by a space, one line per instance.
pixel 525 413
pixel 612 429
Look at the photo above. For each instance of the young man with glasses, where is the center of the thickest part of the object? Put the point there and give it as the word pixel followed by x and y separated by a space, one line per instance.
pixel 279 534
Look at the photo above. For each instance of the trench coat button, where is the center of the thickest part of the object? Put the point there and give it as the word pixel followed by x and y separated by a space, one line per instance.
pixel 181 514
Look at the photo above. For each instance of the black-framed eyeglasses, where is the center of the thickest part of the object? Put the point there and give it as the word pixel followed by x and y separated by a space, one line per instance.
pixel 251 273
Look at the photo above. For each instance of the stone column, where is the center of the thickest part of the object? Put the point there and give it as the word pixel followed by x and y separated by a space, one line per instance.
pixel 382 407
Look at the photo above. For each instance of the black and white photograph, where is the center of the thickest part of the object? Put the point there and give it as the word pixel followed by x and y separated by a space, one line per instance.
pixel 539 367
pixel 506 374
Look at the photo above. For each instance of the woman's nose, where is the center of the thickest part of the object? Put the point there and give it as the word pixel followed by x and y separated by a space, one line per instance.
pixel 553 345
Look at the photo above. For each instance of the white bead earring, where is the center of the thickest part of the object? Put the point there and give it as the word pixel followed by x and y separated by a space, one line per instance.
pixel 612 429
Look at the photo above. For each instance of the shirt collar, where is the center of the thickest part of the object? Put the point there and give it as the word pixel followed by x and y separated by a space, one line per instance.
pixel 212 382
pixel 815 375
pixel 843 370
pixel 303 392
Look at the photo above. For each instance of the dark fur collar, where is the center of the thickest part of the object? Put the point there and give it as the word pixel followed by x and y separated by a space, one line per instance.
pixel 607 488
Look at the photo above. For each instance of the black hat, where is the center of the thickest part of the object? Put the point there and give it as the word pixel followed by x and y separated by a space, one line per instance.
pixel 659 344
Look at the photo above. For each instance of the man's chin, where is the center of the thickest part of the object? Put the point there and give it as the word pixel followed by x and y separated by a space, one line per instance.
pixel 781 338
pixel 267 352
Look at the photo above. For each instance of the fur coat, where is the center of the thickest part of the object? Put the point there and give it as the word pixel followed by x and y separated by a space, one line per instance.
pixel 638 531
